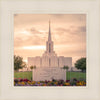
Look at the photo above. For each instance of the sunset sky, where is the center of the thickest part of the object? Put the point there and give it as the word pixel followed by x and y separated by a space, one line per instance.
pixel 68 32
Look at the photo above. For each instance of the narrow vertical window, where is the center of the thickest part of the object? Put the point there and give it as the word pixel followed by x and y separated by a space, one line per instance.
pixel 58 62
pixel 49 62
pixel 49 48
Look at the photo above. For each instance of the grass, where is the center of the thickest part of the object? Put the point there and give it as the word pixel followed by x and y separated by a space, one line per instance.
pixel 23 75
pixel 69 75
pixel 77 75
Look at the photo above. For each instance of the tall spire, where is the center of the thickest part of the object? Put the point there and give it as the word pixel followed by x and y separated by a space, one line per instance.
pixel 49 36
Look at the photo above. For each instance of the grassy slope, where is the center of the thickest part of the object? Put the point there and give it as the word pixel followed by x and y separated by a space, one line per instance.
pixel 70 75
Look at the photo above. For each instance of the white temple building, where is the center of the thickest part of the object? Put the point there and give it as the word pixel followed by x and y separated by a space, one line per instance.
pixel 49 57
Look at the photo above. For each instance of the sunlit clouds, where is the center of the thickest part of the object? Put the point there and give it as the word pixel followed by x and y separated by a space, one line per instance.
pixel 68 32
pixel 34 47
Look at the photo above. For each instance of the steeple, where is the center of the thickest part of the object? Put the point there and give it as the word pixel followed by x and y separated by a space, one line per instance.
pixel 49 35
pixel 49 45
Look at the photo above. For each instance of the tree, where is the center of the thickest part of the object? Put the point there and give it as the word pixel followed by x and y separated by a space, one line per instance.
pixel 18 63
pixel 81 64
pixel 66 68
pixel 31 67
pixel 34 67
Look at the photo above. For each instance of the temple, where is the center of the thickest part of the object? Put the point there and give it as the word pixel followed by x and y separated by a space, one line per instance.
pixel 49 57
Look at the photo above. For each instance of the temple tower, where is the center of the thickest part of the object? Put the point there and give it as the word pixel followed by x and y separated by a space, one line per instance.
pixel 49 45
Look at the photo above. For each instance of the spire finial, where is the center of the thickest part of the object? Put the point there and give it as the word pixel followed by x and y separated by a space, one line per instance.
pixel 49 37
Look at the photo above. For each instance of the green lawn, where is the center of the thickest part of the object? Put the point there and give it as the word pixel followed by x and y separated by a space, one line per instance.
pixel 70 75
pixel 27 75
pixel 77 75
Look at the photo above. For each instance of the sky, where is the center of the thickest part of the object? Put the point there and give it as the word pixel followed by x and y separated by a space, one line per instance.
pixel 68 32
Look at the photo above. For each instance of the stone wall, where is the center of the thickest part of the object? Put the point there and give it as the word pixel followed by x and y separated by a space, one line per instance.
pixel 49 73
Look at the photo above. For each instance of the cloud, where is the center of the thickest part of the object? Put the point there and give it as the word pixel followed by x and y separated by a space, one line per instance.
pixel 71 35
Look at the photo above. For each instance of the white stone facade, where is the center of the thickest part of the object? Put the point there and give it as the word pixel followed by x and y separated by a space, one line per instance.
pixel 52 61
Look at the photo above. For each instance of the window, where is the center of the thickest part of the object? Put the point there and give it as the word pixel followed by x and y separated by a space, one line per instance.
pixel 49 62
pixel 49 48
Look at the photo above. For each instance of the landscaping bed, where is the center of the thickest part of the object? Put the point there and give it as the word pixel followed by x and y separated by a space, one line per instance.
pixel 26 82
